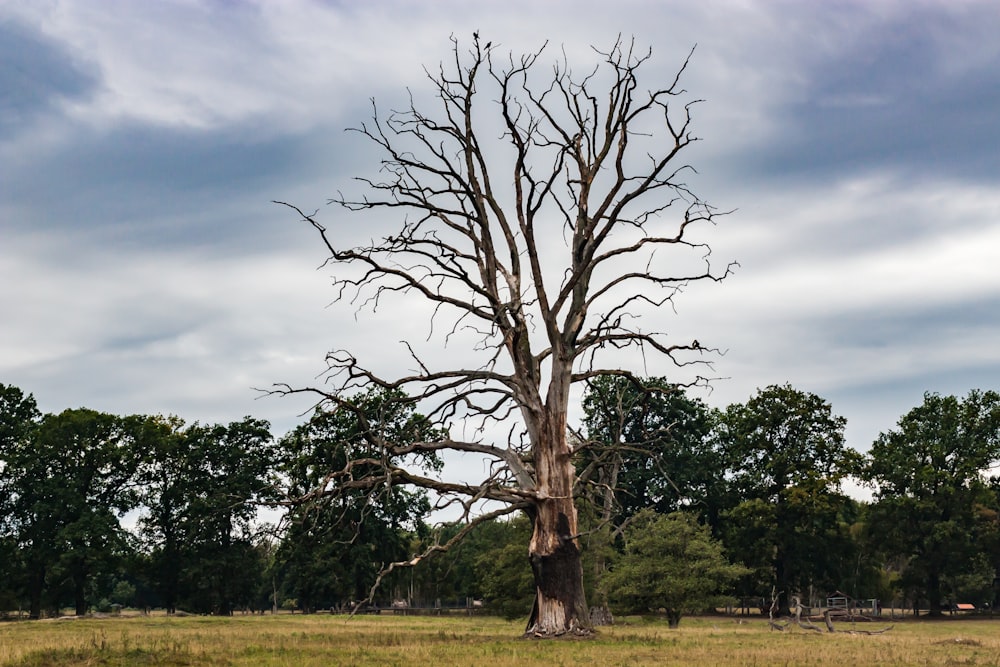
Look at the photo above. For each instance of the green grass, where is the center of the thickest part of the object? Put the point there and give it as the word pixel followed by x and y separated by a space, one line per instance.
pixel 400 640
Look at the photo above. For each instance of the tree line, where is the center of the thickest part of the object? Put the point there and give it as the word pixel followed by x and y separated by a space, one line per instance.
pixel 682 507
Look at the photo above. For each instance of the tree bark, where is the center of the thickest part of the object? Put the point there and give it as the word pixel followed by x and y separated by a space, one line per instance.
pixel 560 603
pixel 554 550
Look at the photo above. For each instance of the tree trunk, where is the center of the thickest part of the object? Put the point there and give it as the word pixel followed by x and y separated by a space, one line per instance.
pixel 934 594
pixel 80 588
pixel 781 577
pixel 35 593
pixel 170 571
pixel 560 604
pixel 600 614
pixel 554 552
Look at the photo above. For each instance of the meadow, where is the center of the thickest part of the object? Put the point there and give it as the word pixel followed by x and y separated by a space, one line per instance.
pixel 326 640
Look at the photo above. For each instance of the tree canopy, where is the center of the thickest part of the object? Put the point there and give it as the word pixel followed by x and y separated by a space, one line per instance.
pixel 931 491
pixel 785 458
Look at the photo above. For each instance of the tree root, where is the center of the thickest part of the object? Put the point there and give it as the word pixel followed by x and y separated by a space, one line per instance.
pixel 573 633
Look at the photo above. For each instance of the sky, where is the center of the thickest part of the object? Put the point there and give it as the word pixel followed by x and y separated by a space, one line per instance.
pixel 145 269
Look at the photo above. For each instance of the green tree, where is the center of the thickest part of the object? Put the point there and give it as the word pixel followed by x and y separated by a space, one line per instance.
pixel 646 442
pixel 785 459
pixel 670 562
pixel 19 416
pixel 237 472
pixel 488 564
pixel 202 486
pixel 168 470
pixel 929 475
pixel 506 582
pixel 68 483
pixel 644 445
pixel 340 536
pixel 990 523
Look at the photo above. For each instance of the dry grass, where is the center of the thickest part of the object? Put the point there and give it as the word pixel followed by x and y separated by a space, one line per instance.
pixel 395 640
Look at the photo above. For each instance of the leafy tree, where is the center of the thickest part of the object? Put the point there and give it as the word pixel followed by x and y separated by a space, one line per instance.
pixel 670 562
pixel 646 442
pixel 506 582
pixel 644 445
pixel 166 473
pixel 931 489
pixel 785 458
pixel 488 564
pixel 340 537
pixel 202 487
pixel 68 483
pixel 540 248
pixel 12 569
pixel 990 523
pixel 236 474
pixel 19 416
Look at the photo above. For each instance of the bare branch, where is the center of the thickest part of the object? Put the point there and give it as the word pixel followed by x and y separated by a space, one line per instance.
pixel 511 159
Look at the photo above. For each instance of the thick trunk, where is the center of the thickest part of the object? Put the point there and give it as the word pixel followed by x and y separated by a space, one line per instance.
pixel 560 604
pixel 554 551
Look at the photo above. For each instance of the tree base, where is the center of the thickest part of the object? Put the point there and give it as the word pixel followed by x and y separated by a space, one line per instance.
pixel 573 633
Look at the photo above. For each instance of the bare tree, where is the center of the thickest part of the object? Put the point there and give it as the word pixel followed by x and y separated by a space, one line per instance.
pixel 537 212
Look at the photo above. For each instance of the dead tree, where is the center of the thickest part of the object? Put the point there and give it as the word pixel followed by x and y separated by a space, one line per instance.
pixel 783 623
pixel 542 213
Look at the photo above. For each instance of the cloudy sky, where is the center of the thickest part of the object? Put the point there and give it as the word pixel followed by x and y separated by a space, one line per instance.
pixel 143 268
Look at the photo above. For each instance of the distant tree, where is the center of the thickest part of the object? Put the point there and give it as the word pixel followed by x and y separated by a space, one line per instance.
pixel 338 540
pixel 202 487
pixel 929 475
pixel 236 474
pixel 449 578
pixel 544 246
pixel 12 569
pixel 67 484
pixel 168 469
pixel 506 581
pixel 785 459
pixel 989 520
pixel 670 562
pixel 644 445
pixel 19 416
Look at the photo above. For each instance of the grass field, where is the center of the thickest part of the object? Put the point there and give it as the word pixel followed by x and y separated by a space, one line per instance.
pixel 429 641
